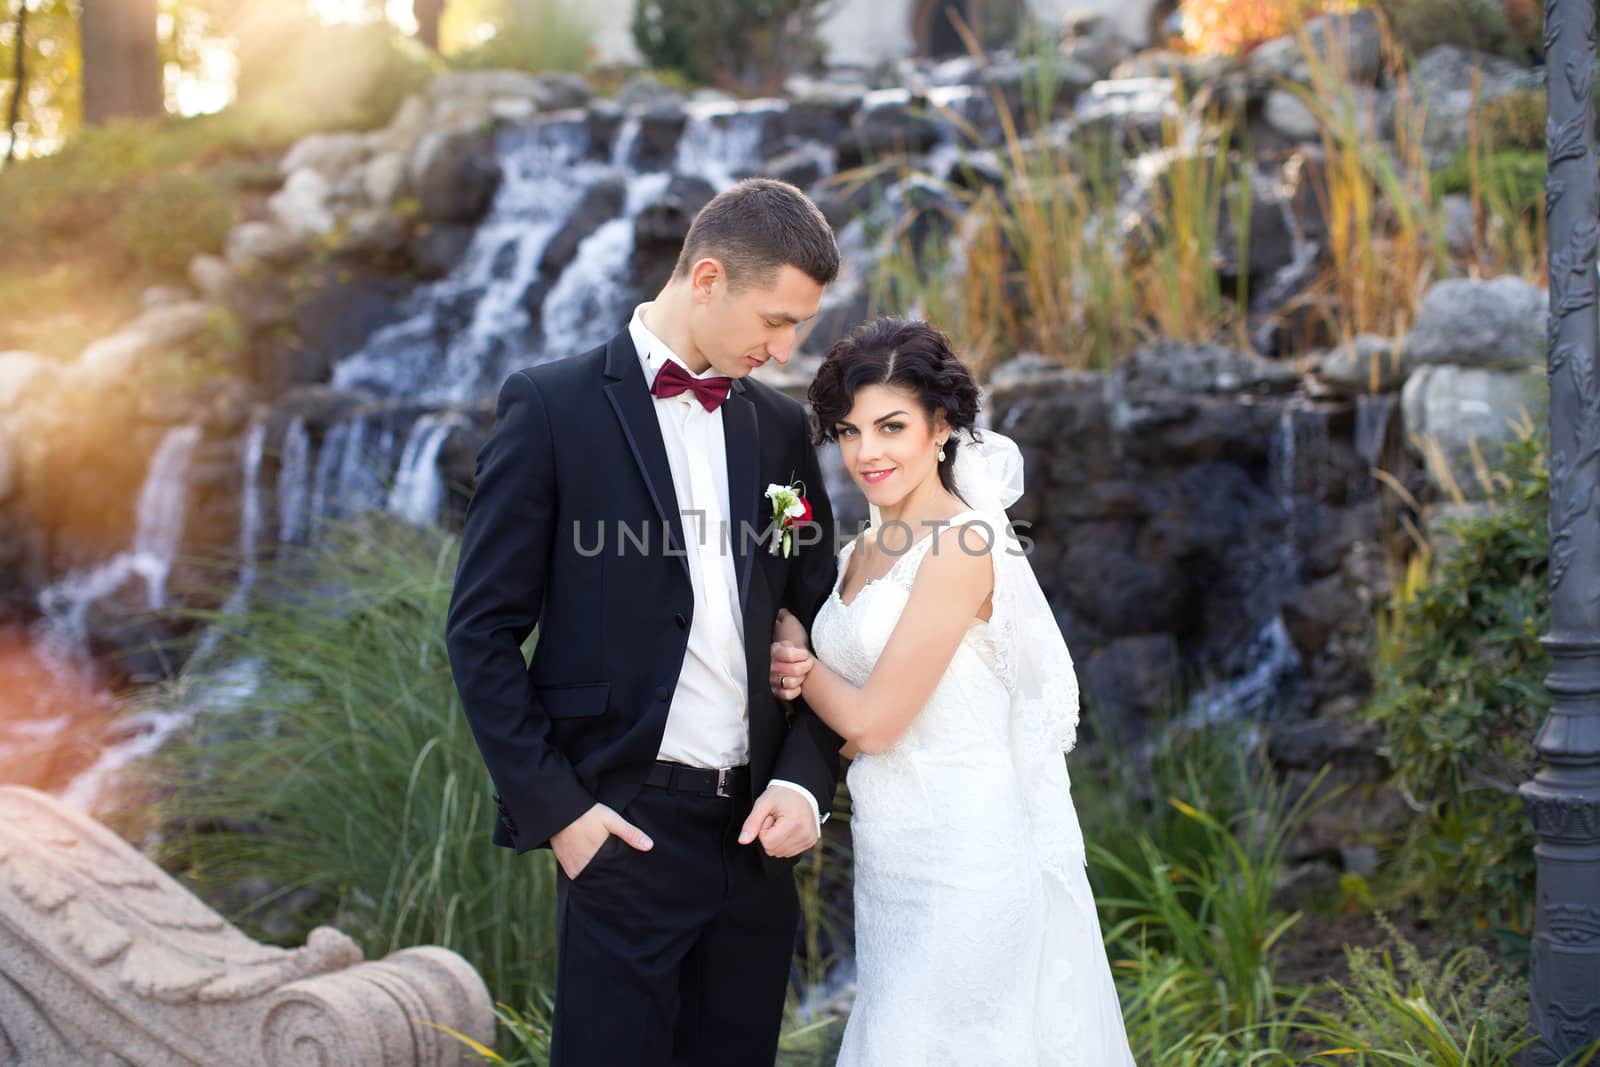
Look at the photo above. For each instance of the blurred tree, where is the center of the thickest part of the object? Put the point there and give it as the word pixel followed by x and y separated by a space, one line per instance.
pixel 428 14
pixel 19 80
pixel 121 60
pixel 47 108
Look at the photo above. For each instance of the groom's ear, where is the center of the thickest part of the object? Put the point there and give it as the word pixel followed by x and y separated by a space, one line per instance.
pixel 704 276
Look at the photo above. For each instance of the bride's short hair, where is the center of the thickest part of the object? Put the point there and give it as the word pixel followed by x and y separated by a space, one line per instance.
pixel 907 353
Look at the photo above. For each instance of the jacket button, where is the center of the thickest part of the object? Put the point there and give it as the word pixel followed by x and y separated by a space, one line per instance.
pixel 682 620
pixel 662 693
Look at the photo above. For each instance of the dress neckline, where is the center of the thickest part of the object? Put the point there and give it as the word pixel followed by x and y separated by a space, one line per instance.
pixel 915 547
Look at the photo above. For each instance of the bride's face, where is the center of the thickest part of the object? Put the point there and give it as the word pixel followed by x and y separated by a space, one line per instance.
pixel 888 443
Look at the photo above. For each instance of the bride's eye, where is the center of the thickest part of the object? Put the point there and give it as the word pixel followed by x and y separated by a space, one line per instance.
pixel 894 427
pixel 844 431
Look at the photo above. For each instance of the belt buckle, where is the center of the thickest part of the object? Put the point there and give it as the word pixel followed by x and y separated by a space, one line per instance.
pixel 722 782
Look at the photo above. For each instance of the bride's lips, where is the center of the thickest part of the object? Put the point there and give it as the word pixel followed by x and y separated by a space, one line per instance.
pixel 873 477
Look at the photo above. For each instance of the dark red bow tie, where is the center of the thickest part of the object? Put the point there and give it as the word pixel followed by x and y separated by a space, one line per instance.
pixel 673 379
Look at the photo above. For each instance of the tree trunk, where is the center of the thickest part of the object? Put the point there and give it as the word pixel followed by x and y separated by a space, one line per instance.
pixel 428 13
pixel 121 60
pixel 19 81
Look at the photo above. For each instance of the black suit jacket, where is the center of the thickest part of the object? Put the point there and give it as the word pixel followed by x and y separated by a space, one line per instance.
pixel 576 450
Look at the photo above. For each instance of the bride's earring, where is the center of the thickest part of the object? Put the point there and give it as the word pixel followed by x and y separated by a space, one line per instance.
pixel 941 453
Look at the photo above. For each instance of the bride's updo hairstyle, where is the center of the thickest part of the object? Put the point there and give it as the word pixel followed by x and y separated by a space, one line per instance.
pixel 906 353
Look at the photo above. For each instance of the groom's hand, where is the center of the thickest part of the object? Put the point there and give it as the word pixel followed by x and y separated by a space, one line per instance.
pixel 576 845
pixel 783 821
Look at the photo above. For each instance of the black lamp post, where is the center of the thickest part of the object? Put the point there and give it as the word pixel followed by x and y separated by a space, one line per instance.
pixel 1563 799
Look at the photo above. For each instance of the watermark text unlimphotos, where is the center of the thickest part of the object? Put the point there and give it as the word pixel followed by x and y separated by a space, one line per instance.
pixel 621 537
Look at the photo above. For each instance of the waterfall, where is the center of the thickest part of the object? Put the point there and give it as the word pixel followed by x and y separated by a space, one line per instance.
pixel 206 685
pixel 461 330
pixel 294 488
pixel 250 517
pixel 419 489
pixel 1274 664
pixel 722 142
pixel 162 507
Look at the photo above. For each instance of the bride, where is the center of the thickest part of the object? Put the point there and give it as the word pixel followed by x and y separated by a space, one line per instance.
pixel 939 662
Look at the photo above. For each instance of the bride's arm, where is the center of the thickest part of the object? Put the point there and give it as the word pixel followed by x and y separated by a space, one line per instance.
pixel 950 588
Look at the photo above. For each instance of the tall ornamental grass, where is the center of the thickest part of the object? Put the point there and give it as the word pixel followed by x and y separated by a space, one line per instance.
pixel 348 781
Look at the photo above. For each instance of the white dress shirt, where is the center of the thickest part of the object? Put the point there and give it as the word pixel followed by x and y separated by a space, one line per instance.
pixel 708 721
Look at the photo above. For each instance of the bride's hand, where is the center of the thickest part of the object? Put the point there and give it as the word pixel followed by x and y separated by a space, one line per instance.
pixel 790 629
pixel 790 665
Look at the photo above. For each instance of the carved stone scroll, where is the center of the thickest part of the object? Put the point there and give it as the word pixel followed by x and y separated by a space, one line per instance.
pixel 106 959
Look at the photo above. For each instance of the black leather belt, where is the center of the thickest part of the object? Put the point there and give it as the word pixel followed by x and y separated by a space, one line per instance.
pixel 705 781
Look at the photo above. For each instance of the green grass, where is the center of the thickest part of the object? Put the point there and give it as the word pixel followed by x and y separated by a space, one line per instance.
pixel 351 772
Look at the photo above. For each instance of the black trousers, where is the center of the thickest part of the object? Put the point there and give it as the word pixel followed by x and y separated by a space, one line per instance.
pixel 677 956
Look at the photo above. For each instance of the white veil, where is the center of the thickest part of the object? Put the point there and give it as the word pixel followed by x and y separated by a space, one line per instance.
pixel 1035 663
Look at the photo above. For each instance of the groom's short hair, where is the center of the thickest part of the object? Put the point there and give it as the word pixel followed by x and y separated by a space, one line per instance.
pixel 756 228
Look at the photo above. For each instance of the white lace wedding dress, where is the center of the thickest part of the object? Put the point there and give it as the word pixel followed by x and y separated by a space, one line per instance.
pixel 977 941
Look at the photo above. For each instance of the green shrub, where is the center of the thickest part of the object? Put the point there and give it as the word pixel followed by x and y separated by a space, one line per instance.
pixel 744 46
pixel 174 219
pixel 539 35
pixel 348 770
pixel 1458 1012
pixel 1515 176
pixel 1515 120
pixel 1460 694
pixel 1478 25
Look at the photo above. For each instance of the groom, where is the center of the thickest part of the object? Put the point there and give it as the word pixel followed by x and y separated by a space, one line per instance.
pixel 618 504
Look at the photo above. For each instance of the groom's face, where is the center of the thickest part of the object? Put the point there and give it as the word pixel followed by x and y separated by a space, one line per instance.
pixel 739 328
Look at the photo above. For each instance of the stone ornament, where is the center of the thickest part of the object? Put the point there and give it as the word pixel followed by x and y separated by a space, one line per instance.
pixel 106 959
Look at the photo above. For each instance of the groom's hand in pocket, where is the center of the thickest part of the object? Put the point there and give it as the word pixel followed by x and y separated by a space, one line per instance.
pixel 576 845
pixel 783 822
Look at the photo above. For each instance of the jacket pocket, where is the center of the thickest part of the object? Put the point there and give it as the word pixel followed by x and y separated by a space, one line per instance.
pixel 573 701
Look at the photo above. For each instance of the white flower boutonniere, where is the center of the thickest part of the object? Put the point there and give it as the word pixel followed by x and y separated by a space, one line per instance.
pixel 789 507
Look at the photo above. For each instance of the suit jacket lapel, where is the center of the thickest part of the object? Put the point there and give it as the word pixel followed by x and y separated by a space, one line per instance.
pixel 630 399
pixel 742 441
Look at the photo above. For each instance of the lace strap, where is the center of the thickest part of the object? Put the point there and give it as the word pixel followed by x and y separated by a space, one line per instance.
pixel 919 549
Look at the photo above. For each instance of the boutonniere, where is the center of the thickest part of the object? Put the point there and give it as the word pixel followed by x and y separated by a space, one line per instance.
pixel 789 507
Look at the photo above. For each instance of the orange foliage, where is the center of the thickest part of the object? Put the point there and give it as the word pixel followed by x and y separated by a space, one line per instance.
pixel 1234 27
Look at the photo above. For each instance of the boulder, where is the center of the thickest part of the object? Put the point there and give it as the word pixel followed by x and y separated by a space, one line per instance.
pixel 1132 678
pixel 330 154
pixel 1368 364
pixel 436 250
pixel 1130 111
pixel 465 85
pixel 303 206
pixel 659 230
pixel 1499 323
pixel 660 130
pixel 117 361
pixel 210 276
pixel 1450 412
pixel 564 90
pixel 262 242
pixel 26 379
pixel 1347 44
pixel 890 123
pixel 458 179
pixel 383 178
pixel 1442 88
pixel 601 203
